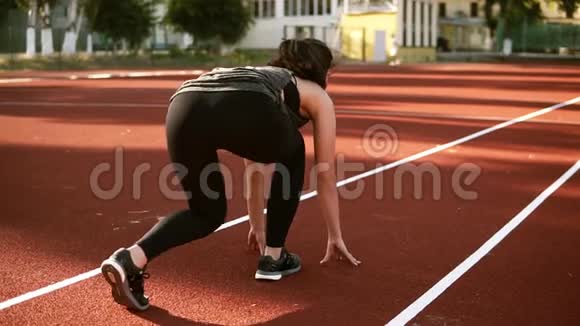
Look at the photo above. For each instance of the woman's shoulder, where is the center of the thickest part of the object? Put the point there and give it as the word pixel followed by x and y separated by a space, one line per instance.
pixel 311 96
pixel 309 87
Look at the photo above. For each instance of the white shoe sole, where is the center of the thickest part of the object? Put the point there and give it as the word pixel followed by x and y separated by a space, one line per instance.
pixel 114 274
pixel 273 276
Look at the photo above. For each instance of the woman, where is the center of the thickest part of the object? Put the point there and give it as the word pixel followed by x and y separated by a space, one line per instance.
pixel 255 113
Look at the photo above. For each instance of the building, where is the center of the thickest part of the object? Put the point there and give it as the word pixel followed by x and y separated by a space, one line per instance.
pixel 352 25
pixel 369 35
pixel 370 30
pixel 279 19
pixel 462 26
pixel 417 30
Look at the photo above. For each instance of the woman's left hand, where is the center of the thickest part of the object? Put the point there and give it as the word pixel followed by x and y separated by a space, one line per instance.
pixel 257 240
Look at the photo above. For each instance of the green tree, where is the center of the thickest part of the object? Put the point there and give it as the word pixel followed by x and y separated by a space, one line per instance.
pixel 491 17
pixel 219 21
pixel 74 20
pixel 129 20
pixel 512 12
pixel 5 6
pixel 568 6
pixel 38 9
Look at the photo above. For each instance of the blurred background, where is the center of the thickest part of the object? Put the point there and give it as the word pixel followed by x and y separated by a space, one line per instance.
pixel 93 33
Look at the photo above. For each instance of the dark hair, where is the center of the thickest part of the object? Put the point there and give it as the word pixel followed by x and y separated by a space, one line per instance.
pixel 308 59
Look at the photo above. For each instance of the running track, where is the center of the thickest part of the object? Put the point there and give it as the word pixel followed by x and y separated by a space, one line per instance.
pixel 54 131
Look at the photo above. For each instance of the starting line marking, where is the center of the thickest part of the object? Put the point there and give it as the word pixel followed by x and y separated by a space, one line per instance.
pixel 428 297
pixel 70 281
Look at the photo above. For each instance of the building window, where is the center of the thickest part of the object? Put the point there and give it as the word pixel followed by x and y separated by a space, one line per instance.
pixel 413 24
pixel 430 36
pixel 271 5
pixel 256 6
pixel 264 8
pixel 302 32
pixel 308 8
pixel 474 9
pixel 405 5
pixel 266 12
pixel 442 9
pixel 324 7
pixel 304 7
pixel 422 30
pixel 311 7
pixel 290 8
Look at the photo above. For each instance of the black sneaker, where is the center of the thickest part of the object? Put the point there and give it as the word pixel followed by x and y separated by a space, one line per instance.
pixel 126 280
pixel 273 270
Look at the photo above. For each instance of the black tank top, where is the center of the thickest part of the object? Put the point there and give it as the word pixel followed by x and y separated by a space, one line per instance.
pixel 268 80
pixel 292 103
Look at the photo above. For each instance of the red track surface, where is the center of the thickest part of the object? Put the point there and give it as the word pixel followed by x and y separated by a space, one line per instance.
pixel 55 131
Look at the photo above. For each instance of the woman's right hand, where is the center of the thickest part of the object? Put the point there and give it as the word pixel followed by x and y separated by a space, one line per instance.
pixel 336 249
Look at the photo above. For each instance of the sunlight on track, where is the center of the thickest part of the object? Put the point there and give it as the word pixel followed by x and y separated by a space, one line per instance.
pixel 439 148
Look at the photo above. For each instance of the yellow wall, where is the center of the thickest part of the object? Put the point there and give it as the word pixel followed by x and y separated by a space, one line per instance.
pixel 355 26
pixel 417 55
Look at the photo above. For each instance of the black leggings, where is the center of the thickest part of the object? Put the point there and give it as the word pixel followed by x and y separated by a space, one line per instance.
pixel 248 124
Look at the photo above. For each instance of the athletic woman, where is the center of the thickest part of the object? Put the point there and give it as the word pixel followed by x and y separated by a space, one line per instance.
pixel 256 113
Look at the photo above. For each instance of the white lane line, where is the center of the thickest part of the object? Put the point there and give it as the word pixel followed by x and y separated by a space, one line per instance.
pixel 135 74
pixel 50 288
pixel 169 73
pixel 84 104
pixel 99 76
pixel 239 220
pixel 16 80
pixel 423 301
pixel 141 74
pixel 426 115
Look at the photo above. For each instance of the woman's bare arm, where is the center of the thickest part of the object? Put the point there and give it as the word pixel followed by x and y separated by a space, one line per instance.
pixel 320 109
pixel 256 176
